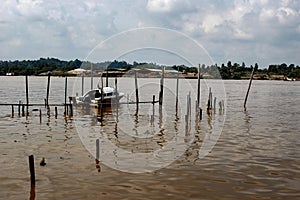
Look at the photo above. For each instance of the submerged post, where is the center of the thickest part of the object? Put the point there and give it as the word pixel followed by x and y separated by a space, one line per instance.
pixel 246 98
pixel 48 88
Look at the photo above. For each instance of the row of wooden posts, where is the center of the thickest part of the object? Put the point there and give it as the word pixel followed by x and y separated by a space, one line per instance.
pixel 68 108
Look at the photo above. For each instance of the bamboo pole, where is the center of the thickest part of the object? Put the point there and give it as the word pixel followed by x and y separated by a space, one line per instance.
pixel 250 82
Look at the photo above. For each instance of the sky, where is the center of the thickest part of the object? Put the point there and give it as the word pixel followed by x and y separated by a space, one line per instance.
pixel 159 31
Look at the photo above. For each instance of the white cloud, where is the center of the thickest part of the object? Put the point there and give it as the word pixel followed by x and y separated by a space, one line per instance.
pixel 71 28
pixel 211 23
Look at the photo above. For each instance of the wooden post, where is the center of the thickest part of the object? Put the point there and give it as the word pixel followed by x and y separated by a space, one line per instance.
pixel 97 149
pixel 161 93
pixel 215 102
pixel 250 82
pixel 66 89
pixel 19 109
pixel 117 98
pixel 23 110
pixel 92 78
pixel 200 113
pixel 71 110
pixel 177 88
pixel 12 111
pixel 40 116
pixel 82 85
pixel 190 106
pixel 153 109
pixel 31 169
pixel 198 88
pixel 210 99
pixel 136 91
pixel 55 112
pixel 220 105
pixel 107 76
pixel 48 88
pixel 27 97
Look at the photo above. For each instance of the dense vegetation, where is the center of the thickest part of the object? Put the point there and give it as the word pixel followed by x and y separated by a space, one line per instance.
pixel 58 67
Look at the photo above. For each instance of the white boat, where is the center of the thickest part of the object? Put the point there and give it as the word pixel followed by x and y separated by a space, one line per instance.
pixel 95 98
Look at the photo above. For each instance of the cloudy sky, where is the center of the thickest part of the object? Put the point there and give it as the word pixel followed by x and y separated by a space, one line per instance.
pixel 262 31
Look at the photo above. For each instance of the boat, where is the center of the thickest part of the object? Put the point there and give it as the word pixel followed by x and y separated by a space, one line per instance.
pixel 94 97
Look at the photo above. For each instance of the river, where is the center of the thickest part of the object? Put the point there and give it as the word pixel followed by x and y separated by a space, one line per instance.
pixel 229 154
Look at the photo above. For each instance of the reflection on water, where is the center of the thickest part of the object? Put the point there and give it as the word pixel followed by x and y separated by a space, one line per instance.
pixel 255 157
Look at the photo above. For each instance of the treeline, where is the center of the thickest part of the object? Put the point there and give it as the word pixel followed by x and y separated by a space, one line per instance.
pixel 37 67
pixel 225 71
pixel 239 71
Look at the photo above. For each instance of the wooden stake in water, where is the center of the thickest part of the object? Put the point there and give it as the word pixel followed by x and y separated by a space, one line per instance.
pixel 66 88
pixel 117 98
pixel 12 111
pixel 136 91
pixel 250 82
pixel 55 112
pixel 97 149
pixel 153 110
pixel 92 78
pixel 19 109
pixel 48 88
pixel 177 87
pixel 27 97
pixel 82 85
pixel 215 102
pixel 161 93
pixel 107 76
pixel 198 88
pixel 31 169
pixel 40 116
